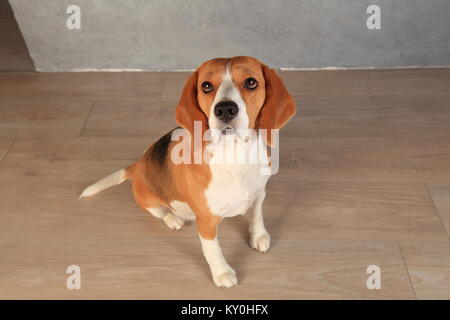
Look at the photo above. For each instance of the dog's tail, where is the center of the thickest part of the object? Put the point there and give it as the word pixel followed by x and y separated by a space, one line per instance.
pixel 113 179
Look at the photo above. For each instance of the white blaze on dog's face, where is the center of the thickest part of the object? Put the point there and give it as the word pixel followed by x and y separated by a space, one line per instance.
pixel 231 92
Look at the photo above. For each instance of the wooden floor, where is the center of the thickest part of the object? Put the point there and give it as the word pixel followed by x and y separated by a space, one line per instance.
pixel 364 180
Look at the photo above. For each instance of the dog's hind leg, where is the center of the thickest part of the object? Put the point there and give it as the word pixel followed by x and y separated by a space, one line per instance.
pixel 151 203
pixel 171 220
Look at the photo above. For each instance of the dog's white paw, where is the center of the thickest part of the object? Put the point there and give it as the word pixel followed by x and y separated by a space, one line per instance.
pixel 261 243
pixel 226 280
pixel 173 222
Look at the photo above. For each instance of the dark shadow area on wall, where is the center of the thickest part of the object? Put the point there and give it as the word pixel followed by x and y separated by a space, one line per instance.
pixel 14 54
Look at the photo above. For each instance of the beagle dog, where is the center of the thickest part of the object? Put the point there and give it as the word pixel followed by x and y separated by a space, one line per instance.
pixel 230 97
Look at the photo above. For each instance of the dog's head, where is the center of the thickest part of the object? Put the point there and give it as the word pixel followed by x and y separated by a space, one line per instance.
pixel 234 93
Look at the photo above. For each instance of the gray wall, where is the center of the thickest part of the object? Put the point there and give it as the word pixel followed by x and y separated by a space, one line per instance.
pixel 179 34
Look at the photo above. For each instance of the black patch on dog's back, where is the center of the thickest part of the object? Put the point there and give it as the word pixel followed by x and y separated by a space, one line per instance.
pixel 160 149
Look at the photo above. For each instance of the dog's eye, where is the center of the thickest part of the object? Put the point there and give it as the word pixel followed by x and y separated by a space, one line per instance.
pixel 207 86
pixel 250 83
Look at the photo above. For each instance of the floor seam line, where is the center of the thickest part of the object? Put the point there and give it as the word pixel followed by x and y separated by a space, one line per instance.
pixel 7 151
pixel 437 211
pixel 407 270
pixel 87 118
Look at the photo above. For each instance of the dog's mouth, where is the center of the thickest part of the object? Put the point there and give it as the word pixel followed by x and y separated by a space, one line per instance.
pixel 227 130
pixel 230 132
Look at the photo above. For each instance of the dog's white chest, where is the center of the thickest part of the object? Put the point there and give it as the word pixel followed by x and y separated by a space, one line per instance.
pixel 233 187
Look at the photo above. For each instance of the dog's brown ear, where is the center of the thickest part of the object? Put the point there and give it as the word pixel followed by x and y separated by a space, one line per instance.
pixel 188 109
pixel 279 107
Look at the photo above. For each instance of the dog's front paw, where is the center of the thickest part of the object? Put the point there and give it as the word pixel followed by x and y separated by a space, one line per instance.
pixel 173 222
pixel 227 279
pixel 261 243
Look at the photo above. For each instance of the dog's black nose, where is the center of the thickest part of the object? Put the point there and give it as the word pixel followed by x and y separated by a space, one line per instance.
pixel 226 111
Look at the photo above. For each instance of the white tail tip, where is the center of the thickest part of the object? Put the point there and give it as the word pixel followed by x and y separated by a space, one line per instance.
pixel 109 181
pixel 89 191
